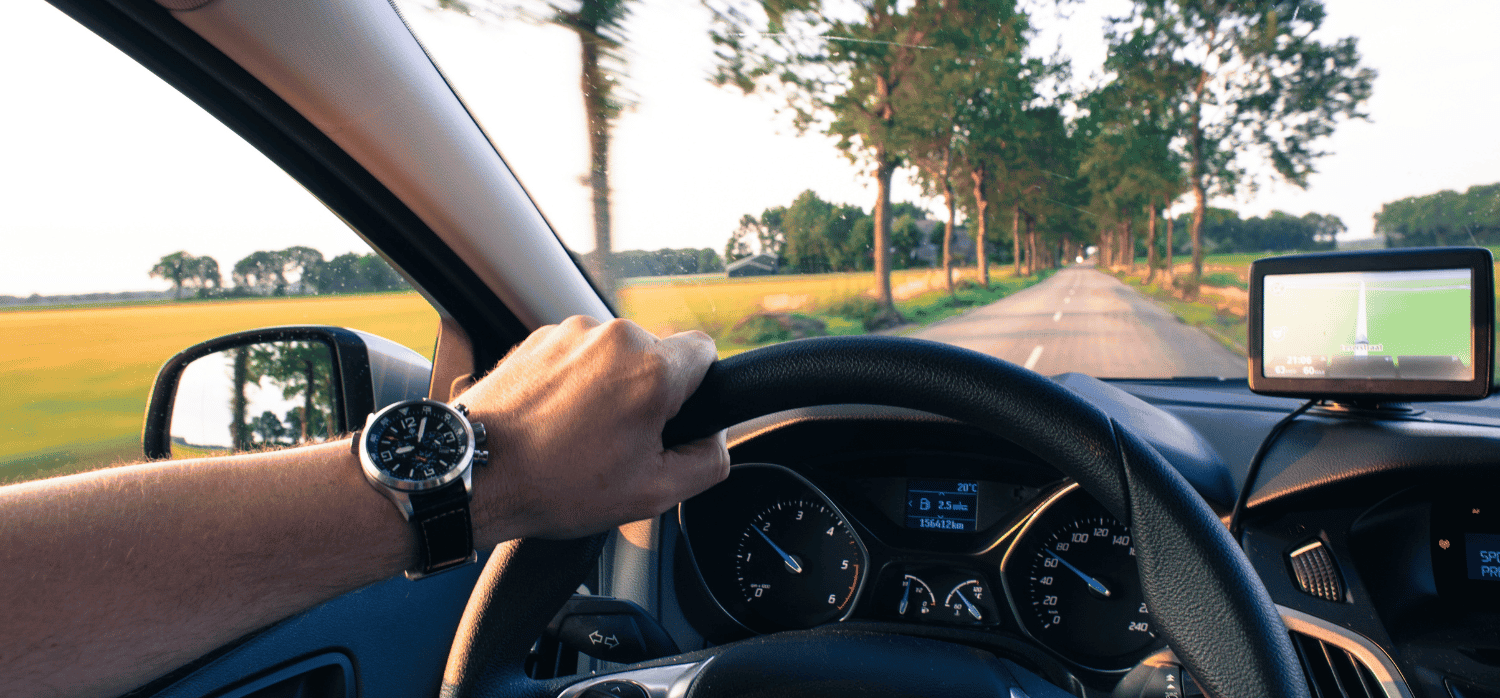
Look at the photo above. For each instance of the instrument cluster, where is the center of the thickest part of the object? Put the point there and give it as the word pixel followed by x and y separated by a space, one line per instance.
pixel 774 551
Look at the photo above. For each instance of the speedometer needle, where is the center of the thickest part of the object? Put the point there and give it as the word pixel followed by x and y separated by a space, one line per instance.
pixel 1093 583
pixel 791 562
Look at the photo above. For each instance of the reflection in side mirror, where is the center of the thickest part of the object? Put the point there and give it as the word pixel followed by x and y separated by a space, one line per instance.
pixel 264 395
pixel 277 386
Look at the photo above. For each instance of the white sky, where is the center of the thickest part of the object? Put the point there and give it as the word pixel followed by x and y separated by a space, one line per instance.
pixel 106 168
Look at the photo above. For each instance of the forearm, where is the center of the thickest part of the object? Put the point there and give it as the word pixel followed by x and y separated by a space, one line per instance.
pixel 119 575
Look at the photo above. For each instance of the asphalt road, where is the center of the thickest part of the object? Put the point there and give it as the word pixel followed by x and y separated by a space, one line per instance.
pixel 1087 321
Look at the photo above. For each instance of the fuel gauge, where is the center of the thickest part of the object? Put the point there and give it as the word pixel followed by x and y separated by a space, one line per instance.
pixel 917 600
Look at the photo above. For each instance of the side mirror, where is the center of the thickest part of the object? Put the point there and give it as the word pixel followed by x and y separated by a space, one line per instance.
pixel 277 386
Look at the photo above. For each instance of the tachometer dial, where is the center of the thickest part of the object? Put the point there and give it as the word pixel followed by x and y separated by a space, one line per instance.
pixel 797 564
pixel 1073 579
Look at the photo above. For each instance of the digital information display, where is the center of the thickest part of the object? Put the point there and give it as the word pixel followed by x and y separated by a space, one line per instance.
pixel 1482 553
pixel 1387 325
pixel 942 505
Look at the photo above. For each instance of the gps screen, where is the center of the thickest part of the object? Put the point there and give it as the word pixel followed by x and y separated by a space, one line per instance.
pixel 1387 325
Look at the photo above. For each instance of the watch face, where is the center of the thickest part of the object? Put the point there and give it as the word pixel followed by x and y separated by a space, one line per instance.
pixel 421 444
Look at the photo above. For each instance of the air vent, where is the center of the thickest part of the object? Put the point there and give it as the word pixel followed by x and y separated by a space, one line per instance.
pixel 1333 672
pixel 1316 574
pixel 324 676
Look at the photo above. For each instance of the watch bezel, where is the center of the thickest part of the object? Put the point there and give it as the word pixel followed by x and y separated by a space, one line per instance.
pixel 375 474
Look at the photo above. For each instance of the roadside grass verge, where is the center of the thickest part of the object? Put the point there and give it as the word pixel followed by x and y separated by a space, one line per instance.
pixel 745 313
pixel 1211 312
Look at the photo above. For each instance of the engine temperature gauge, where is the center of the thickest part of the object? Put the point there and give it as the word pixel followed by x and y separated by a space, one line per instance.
pixel 967 602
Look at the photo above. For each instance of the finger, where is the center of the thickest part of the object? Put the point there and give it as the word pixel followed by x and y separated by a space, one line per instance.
pixel 696 466
pixel 689 354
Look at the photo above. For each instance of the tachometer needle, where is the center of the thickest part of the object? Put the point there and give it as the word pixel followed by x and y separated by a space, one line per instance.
pixel 791 562
pixel 905 593
pixel 1093 583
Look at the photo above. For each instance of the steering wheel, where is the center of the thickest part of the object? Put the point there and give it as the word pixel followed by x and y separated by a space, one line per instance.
pixel 1205 598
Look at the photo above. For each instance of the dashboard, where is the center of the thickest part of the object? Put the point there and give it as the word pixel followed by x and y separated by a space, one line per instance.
pixel 1378 539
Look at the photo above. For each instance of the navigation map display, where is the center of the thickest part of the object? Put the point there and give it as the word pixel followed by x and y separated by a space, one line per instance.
pixel 1385 325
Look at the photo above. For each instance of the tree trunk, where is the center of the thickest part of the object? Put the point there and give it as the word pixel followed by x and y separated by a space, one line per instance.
pixel 1032 266
pixel 981 206
pixel 307 405
pixel 1170 272
pixel 948 231
pixel 1129 245
pixel 1200 210
pixel 1150 242
pixel 595 85
pixel 1200 193
pixel 239 430
pixel 1015 234
pixel 885 169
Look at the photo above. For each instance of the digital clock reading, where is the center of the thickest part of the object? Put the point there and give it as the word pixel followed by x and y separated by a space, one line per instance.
pixel 942 505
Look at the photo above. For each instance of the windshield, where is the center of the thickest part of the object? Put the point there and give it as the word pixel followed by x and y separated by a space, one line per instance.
pixel 1070 187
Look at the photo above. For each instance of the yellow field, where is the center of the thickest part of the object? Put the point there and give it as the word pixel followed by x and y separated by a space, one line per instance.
pixel 668 305
pixel 74 382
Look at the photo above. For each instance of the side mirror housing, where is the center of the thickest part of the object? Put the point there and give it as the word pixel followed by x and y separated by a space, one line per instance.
pixel 276 386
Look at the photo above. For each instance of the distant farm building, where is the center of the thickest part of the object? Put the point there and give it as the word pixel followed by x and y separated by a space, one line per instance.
pixel 930 249
pixel 754 265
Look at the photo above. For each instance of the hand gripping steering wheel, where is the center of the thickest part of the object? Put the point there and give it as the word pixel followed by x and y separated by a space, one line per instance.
pixel 1205 598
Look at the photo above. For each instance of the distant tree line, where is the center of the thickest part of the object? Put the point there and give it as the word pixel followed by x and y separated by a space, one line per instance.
pixel 1225 232
pixel 1444 218
pixel 813 236
pixel 626 264
pixel 295 270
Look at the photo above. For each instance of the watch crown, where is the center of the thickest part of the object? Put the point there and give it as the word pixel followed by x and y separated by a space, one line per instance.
pixel 481 458
pixel 480 435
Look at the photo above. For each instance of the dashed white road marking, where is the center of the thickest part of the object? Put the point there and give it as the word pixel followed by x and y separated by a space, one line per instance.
pixel 1031 360
pixel 1057 316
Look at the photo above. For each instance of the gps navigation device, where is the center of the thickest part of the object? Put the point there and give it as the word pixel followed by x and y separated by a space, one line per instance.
pixel 1383 325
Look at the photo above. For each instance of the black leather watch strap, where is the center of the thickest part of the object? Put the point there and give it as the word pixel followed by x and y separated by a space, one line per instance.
pixel 445 535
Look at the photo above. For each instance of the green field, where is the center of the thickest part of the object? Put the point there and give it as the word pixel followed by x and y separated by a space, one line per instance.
pixel 75 380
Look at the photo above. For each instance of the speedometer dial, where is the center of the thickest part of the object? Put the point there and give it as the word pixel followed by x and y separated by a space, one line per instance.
pixel 1075 585
pixel 797 564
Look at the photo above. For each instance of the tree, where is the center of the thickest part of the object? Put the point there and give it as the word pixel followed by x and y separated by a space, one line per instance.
pixel 185 270
pixel 261 273
pixel 299 370
pixel 1248 81
pixel 174 268
pixel 850 72
pixel 305 263
pixel 599 25
pixel 738 246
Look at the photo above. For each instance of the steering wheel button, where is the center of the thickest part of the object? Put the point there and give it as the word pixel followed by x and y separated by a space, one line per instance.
pixel 615 689
pixel 614 637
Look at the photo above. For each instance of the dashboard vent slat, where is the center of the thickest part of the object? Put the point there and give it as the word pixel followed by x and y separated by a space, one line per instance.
pixel 1333 672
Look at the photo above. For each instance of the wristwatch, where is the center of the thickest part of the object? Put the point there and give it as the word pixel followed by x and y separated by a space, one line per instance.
pixel 420 454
